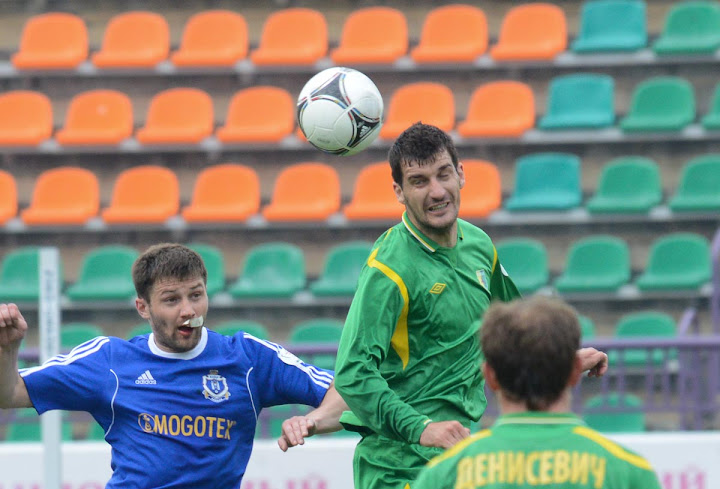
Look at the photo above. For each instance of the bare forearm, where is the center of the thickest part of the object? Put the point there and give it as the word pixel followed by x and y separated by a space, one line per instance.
pixel 327 415
pixel 9 376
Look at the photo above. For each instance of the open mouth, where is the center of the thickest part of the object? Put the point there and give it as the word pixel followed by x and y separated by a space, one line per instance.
pixel 438 207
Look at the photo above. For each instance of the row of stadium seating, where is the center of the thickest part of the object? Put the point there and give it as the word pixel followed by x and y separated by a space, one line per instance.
pixel 676 262
pixel 311 192
pixel 297 36
pixel 266 114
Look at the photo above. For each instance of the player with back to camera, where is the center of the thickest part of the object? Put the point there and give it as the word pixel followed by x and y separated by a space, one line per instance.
pixel 178 406
pixel 531 363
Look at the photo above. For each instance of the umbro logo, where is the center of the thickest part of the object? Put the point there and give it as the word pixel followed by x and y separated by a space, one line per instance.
pixel 146 378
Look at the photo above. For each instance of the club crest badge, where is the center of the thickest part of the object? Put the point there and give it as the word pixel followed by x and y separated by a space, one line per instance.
pixel 215 387
pixel 483 279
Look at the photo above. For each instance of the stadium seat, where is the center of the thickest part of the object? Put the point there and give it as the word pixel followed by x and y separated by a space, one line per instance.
pixel 74 334
pixel 452 34
pixel 134 40
pixel 499 109
pixel 229 328
pixel 261 114
pixel 699 188
pixel 143 194
pixel 139 330
pixel 432 103
pixel 580 101
pixel 95 432
pixel 215 265
pixel 178 115
pixel 50 41
pixel 611 25
pixel 26 118
pixel 587 327
pixel 711 120
pixel 534 31
pixel 546 181
pixel 690 28
pixel 595 264
pixel 8 197
pixel 97 117
pixel 341 269
pixel 271 270
pixel 628 184
pixel 526 262
pixel 19 275
pixel 212 38
pixel 30 431
pixel 373 196
pixel 105 274
pixel 292 36
pixel 63 196
pixel 647 324
pixel 629 417
pixel 372 35
pixel 482 193
pixel 224 193
pixel 304 192
pixel 314 331
pixel 662 103
pixel 675 262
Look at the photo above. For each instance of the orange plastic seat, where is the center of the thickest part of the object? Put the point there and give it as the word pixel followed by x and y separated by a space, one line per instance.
pixel 178 115
pixel 143 195
pixel 25 118
pixel 531 31
pixel 63 196
pixel 134 40
pixel 304 192
pixel 258 114
pixel 431 103
pixel 373 195
pixel 8 197
pixel 482 193
pixel 213 38
pixel 97 117
pixel 227 192
pixel 52 41
pixel 499 109
pixel 372 35
pixel 452 34
pixel 292 36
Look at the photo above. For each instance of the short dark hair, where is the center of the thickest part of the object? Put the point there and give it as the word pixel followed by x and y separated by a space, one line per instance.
pixel 531 345
pixel 166 261
pixel 419 143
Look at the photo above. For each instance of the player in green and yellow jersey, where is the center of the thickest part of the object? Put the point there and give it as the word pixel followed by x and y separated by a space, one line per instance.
pixel 531 362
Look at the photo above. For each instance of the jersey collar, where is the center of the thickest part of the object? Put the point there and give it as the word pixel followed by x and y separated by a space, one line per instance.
pixel 186 355
pixel 428 243
pixel 537 418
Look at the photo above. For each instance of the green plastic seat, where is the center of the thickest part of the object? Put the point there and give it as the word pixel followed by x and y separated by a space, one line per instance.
pixel 95 432
pixel 526 261
pixel 587 327
pixel 229 328
pixel 139 330
pixel 272 270
pixel 580 101
pixel 611 25
pixel 595 264
pixel 630 421
pixel 699 188
pixel 105 274
pixel 342 269
pixel 629 184
pixel 32 431
pixel 19 275
pixel 546 181
pixel 711 120
pixel 215 265
pixel 662 103
pixel 677 261
pixel 320 330
pixel 690 28
pixel 73 334
pixel 643 324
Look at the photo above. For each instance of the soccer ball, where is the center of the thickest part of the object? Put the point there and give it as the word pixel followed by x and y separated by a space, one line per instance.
pixel 340 111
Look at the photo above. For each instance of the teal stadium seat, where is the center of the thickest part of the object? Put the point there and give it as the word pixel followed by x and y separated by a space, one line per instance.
pixel 628 184
pixel 229 328
pixel 342 269
pixel 73 334
pixel 662 103
pixel 699 188
pixel 711 120
pixel 629 418
pixel 611 25
pixel 271 270
pixel 580 101
pixel 139 330
pixel 318 330
pixel 546 181
pixel 19 275
pixel 31 431
pixel 215 265
pixel 595 264
pixel 677 261
pixel 690 28
pixel 587 327
pixel 106 274
pixel 526 262
pixel 646 324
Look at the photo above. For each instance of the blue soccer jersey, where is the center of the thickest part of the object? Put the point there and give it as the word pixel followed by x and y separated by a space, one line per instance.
pixel 176 419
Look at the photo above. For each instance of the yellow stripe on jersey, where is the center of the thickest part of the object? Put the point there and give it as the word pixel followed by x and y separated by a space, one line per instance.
pixel 494 260
pixel 399 341
pixel 458 447
pixel 612 447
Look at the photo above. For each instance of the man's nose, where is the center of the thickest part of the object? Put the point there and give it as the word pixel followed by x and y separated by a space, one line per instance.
pixel 436 189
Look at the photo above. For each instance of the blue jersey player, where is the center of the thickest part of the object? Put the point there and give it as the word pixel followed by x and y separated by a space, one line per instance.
pixel 179 406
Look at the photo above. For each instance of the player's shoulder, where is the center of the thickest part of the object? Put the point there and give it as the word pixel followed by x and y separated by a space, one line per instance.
pixel 612 448
pixel 472 234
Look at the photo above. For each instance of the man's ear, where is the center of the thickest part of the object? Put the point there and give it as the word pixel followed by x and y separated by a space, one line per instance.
pixel 490 377
pixel 142 308
pixel 399 195
pixel 576 372
pixel 461 174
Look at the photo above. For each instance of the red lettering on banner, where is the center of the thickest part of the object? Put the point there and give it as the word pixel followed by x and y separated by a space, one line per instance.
pixel 689 478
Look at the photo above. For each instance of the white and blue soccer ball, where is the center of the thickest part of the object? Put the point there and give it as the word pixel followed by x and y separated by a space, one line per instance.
pixel 340 111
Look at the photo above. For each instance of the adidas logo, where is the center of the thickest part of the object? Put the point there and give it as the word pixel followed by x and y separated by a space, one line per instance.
pixel 146 378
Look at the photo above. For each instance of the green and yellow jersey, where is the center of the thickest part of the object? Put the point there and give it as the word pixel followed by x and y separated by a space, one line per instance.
pixel 533 449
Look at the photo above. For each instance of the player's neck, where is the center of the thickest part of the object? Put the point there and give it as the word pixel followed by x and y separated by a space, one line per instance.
pixel 562 405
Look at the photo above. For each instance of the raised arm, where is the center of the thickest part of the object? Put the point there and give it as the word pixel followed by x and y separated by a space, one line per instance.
pixel 13 393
